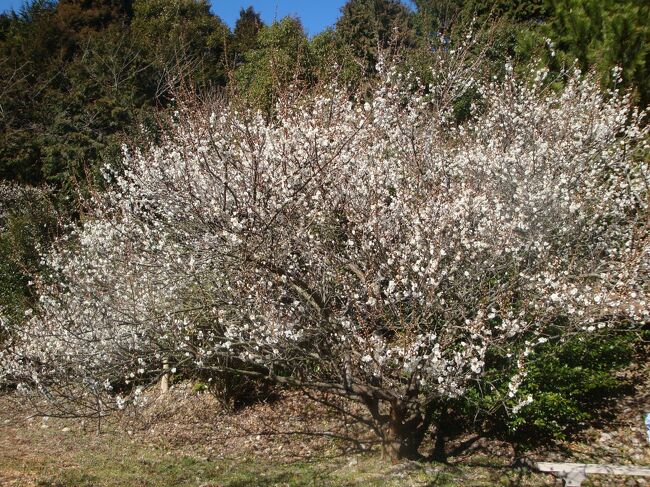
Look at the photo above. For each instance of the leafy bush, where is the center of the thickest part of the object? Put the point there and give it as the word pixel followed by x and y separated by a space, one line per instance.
pixel 569 382
pixel 28 221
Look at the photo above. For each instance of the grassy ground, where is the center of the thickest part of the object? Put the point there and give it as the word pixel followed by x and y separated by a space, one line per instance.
pixel 186 439
pixel 62 455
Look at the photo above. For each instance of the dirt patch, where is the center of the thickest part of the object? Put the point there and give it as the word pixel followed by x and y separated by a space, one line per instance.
pixel 292 426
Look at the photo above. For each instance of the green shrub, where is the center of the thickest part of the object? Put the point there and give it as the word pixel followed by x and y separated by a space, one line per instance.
pixel 28 221
pixel 569 382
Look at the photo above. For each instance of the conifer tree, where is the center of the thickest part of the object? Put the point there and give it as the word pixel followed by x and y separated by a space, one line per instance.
pixel 370 25
pixel 281 57
pixel 605 34
pixel 245 33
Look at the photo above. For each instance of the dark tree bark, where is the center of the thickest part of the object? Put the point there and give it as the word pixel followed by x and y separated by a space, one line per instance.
pixel 439 453
pixel 402 431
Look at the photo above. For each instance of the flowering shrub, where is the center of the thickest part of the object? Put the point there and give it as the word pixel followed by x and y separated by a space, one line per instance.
pixel 372 249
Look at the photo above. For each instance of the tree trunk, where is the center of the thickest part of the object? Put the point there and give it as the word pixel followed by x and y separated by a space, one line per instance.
pixel 399 447
pixel 439 453
pixel 402 438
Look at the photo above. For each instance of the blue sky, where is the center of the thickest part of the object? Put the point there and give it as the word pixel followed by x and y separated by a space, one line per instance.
pixel 316 15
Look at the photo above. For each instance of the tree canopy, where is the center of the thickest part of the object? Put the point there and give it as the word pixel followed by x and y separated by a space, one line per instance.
pixel 429 209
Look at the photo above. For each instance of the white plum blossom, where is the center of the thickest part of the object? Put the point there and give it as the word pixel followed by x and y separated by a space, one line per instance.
pixel 375 249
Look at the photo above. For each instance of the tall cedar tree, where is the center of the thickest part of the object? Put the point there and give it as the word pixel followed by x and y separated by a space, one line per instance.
pixel 370 25
pixel 245 33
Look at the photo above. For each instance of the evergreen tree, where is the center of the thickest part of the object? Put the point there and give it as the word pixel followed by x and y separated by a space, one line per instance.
pixel 332 57
pixel 515 11
pixel 75 76
pixel 370 25
pixel 245 33
pixel 99 100
pixel 181 39
pixel 31 57
pixel 605 34
pixel 281 56
pixel 435 18
pixel 84 16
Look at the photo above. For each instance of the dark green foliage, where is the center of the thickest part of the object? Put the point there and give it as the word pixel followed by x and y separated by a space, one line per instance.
pixel 77 77
pixel 603 34
pixel 180 39
pixel 334 58
pixel 28 222
pixel 515 11
pixel 245 33
pixel 370 25
pixel 83 17
pixel 281 57
pixel 435 18
pixel 569 381
pixel 28 65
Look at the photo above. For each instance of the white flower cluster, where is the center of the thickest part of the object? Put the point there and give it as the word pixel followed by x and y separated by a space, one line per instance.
pixel 376 244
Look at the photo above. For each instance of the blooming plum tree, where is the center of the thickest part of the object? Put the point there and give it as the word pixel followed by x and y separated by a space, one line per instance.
pixel 368 247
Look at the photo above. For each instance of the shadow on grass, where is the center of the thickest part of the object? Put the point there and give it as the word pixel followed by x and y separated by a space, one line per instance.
pixel 503 474
pixel 68 479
